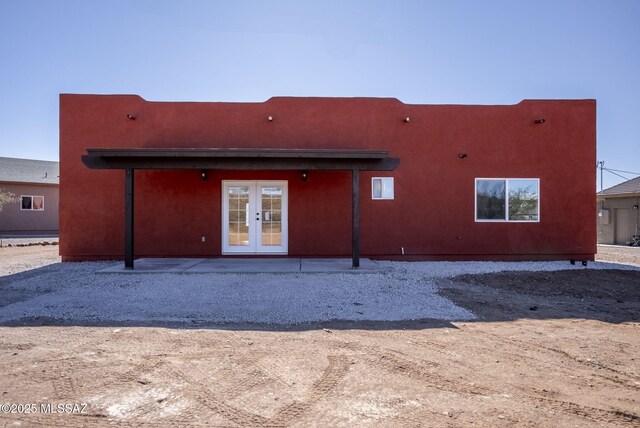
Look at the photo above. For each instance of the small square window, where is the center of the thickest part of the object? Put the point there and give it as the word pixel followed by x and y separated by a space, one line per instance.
pixel 382 188
pixel 31 203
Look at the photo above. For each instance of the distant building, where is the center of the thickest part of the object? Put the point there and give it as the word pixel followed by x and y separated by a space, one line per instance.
pixel 618 214
pixel 35 183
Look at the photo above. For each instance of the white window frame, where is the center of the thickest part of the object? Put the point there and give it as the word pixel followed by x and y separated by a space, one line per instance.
pixel 506 208
pixel 31 196
pixel 382 197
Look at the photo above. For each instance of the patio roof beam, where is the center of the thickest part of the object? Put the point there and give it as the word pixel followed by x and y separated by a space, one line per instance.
pixel 227 163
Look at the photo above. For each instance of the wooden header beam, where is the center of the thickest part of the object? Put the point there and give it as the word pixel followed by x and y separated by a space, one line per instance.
pixel 249 159
pixel 238 152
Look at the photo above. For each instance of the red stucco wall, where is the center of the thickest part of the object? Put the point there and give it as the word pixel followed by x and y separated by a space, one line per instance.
pixel 432 215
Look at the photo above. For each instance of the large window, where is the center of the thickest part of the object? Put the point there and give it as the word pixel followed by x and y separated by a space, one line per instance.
pixel 507 199
pixel 31 203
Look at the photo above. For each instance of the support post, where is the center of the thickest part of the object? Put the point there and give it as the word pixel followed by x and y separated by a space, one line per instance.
pixel 355 219
pixel 128 218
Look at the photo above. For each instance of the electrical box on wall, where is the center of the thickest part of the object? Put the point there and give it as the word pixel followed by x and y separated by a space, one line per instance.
pixel 604 216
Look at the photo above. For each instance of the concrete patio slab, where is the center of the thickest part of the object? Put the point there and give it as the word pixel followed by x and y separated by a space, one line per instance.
pixel 337 265
pixel 239 265
pixel 244 265
pixel 153 265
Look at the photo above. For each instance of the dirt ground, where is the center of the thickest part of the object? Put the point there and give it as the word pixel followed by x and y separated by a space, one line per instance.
pixel 549 349
pixel 20 259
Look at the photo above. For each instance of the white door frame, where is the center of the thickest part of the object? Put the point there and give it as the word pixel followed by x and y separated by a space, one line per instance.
pixel 255 218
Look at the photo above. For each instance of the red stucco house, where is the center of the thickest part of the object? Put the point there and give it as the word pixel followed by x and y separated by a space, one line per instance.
pixel 326 177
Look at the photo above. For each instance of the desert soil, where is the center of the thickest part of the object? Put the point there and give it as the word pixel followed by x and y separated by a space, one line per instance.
pixel 548 349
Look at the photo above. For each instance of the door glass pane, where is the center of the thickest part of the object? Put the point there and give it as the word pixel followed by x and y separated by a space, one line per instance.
pixel 239 215
pixel 271 215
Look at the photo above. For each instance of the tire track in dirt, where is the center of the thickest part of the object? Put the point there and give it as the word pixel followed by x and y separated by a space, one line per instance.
pixel 403 366
pixel 592 413
pixel 423 343
pixel 332 375
pixel 38 420
pixel 524 359
pixel 255 379
pixel 170 376
pixel 66 378
pixel 411 368
pixel 629 380
pixel 64 387
pixel 5 346
pixel 391 361
pixel 425 370
pixel 138 371
pixel 256 376
pixel 206 396
pixel 231 413
pixel 248 361
pixel 57 360
pixel 198 387
pixel 270 368
pixel 134 377
pixel 137 375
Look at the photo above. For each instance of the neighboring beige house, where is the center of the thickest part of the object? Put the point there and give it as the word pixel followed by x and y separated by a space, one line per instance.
pixel 36 185
pixel 618 221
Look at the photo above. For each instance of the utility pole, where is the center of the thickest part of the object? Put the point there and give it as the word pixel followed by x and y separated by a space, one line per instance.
pixel 600 164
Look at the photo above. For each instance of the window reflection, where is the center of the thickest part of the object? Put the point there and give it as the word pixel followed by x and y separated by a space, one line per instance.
pixel 271 215
pixel 26 202
pixel 511 199
pixel 523 200
pixel 490 200
pixel 239 215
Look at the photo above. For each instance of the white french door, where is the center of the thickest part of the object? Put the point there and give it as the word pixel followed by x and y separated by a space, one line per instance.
pixel 254 217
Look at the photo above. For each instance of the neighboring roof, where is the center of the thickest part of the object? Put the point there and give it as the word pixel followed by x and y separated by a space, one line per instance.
pixel 630 187
pixel 15 170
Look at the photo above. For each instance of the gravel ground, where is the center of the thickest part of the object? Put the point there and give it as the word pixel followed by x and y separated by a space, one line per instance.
pixel 405 291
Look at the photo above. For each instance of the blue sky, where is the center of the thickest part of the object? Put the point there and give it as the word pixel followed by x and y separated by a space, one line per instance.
pixel 425 52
